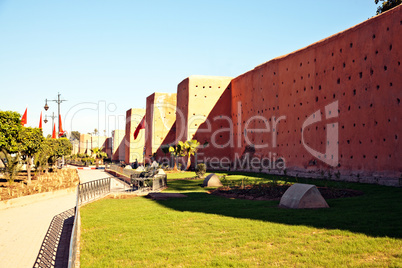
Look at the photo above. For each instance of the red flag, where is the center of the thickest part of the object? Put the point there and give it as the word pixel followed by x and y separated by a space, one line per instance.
pixel 54 131
pixel 24 119
pixel 139 127
pixel 40 121
pixel 61 127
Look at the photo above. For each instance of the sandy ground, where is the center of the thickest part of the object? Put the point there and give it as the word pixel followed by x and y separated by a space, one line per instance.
pixel 23 228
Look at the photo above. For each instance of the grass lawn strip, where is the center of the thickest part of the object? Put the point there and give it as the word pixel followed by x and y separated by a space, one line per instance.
pixel 204 230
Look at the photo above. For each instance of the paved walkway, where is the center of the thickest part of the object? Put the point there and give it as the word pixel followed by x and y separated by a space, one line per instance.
pixel 23 228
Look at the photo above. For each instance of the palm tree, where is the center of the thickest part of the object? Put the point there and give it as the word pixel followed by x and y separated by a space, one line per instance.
pixel 99 154
pixel 176 151
pixel 191 147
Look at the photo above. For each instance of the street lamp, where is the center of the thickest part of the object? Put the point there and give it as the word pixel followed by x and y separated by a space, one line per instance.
pixel 58 101
pixel 52 116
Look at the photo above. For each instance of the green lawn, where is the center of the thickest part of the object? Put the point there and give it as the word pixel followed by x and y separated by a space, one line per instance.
pixel 205 230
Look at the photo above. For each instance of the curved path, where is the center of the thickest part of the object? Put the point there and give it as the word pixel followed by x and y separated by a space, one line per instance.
pixel 23 228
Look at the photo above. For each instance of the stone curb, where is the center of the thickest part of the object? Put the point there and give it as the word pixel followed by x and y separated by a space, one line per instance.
pixel 29 199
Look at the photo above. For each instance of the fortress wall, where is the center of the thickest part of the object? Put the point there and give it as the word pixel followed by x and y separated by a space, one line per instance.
pixel 85 144
pixel 160 117
pixel 118 152
pixel 134 148
pixel 202 107
pixel 352 81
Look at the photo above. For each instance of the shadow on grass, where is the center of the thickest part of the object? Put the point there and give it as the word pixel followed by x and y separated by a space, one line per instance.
pixel 377 213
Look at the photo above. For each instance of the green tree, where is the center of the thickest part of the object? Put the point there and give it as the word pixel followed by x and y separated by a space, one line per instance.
pixel 31 140
pixel 75 135
pixel 10 141
pixel 63 147
pixel 386 5
pixel 43 155
pixel 99 154
pixel 10 128
pixel 177 151
pixel 190 148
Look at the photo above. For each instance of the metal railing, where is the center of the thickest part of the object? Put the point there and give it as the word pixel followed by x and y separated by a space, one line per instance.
pixel 86 192
pixel 92 190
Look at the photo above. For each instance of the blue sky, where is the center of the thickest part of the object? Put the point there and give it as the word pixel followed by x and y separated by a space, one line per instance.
pixel 106 57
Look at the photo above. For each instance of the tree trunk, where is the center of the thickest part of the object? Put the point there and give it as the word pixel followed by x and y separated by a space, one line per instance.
pixel 175 165
pixel 188 162
pixel 29 166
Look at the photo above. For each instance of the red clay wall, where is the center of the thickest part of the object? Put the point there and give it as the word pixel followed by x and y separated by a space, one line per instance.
pixel 357 75
pixel 160 117
pixel 134 147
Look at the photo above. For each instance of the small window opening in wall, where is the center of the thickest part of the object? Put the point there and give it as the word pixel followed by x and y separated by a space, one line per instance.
pixel 376 52
pixel 333 96
pixel 398 100
pixel 364 156
pixel 203 86
pixel 390 84
pixel 365 58
pixel 351 45
pixel 316 99
pixel 332 54
pixel 344 65
pixel 210 86
pixel 390 47
pixel 387 29
pixel 361 75
pixel 340 50
pixel 349 108
pixel 338 81
pixel 385 67
pixel 195 95
pixel 196 85
pixel 378 87
pixel 371 71
pixel 301 64
pixel 205 96
pixel 373 36
pixel 349 77
pixel 333 68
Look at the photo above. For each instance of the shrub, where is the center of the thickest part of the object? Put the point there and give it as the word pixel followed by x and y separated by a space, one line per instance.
pixel 200 170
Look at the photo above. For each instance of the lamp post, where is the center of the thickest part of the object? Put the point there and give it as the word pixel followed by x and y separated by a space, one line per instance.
pixel 52 116
pixel 58 101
